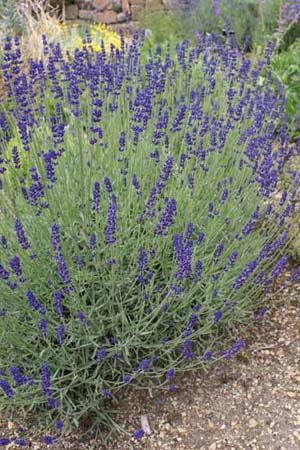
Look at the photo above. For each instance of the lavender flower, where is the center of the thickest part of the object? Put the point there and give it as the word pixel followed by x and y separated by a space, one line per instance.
pixel 52 402
pixel 21 442
pixel 59 424
pixel 58 303
pixel 4 274
pixel 143 365
pixel 167 218
pixel 279 266
pixel 60 333
pixel 63 269
pixel 93 242
pixel 101 354
pixel 217 315
pixel 55 238
pixel 138 434
pixel 43 327
pixel 15 264
pixel 234 349
pixel 244 275
pixel 111 221
pixel 170 373
pixel 49 439
pixel 32 300
pixel 107 185
pixel 126 378
pixel 46 380
pixel 4 440
pixel 82 317
pixel 106 392
pixel 96 197
pixel 21 235
pixel 6 388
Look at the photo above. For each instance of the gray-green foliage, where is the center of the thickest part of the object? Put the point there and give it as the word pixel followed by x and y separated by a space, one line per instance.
pixel 11 20
pixel 200 133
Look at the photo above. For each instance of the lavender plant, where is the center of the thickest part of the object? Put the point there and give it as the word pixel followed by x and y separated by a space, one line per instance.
pixel 137 221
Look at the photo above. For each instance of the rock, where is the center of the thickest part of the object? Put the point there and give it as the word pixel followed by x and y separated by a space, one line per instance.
pixel 106 17
pixel 116 6
pixel 71 12
pixel 125 6
pixel 145 424
pixel 213 446
pixel 101 5
pixel 86 14
pixel 252 423
pixel 122 17
pixel 84 4
pixel 154 5
pixel 136 10
pixel 171 4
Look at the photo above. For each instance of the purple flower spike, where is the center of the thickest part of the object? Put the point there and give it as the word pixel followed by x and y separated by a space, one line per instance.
pixel 52 402
pixel 46 380
pixel 55 238
pixel 17 375
pixel 234 349
pixel 15 265
pixel 59 424
pixel 60 333
pixel 5 441
pixel 43 327
pixel 49 439
pixel 111 221
pixel 21 442
pixel 35 303
pixel 82 317
pixel 101 354
pixel 218 315
pixel 21 235
pixel 96 197
pixel 63 269
pixel 58 303
pixel 6 388
pixel 167 218
pixel 138 434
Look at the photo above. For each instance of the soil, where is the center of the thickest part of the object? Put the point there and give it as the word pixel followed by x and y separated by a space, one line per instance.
pixel 248 402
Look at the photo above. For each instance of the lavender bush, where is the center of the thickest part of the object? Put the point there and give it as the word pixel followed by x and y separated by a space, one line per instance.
pixel 137 221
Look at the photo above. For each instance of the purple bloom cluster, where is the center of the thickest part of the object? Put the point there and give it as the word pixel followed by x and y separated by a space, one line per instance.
pixel 167 218
pixel 110 228
pixel 186 239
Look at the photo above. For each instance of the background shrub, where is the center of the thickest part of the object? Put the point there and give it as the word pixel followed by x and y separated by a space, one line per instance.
pixel 140 224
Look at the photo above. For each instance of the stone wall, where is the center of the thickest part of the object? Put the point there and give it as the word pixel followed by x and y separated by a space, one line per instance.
pixel 113 11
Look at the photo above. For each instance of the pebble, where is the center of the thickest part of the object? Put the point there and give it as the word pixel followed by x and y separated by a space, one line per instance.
pixel 252 423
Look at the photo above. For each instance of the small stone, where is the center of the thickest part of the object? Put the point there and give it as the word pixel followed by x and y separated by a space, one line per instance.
pixel 213 446
pixel 100 5
pixel 296 434
pixel 106 17
pixel 252 423
pixel 86 14
pixel 71 12
pixel 122 17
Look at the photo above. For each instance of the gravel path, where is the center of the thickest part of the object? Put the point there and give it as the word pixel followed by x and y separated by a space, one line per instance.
pixel 250 402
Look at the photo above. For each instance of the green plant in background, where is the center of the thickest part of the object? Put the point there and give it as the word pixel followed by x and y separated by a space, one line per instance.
pixel 286 69
pixel 251 21
pixel 11 20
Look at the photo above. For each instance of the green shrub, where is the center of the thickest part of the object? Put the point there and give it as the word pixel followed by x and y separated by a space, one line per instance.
pixel 144 226
pixel 253 22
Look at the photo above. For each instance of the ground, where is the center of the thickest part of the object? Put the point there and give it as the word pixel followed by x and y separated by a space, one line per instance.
pixel 250 402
